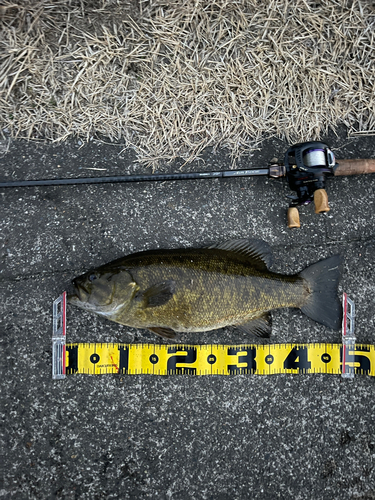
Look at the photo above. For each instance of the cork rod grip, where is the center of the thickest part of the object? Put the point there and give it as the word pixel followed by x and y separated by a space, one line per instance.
pixel 355 167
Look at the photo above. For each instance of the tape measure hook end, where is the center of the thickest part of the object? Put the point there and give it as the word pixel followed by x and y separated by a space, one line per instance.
pixel 348 337
pixel 59 338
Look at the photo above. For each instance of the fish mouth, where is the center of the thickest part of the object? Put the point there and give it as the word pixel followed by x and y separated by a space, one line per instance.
pixel 80 299
pixel 72 298
pixel 79 294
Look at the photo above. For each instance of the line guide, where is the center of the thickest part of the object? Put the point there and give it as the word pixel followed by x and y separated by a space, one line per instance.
pixel 346 359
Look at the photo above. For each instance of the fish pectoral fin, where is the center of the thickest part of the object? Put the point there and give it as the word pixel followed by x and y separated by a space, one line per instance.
pixel 159 294
pixel 261 326
pixel 167 333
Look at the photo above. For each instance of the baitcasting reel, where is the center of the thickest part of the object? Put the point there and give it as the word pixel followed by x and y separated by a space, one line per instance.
pixel 306 167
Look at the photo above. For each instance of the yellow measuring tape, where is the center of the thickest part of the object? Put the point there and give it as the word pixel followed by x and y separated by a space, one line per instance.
pixel 346 359
pixel 218 359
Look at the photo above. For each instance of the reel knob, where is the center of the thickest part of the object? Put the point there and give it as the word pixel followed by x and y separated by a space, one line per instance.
pixel 293 217
pixel 321 201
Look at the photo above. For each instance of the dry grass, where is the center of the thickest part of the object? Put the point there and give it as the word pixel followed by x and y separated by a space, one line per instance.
pixel 173 77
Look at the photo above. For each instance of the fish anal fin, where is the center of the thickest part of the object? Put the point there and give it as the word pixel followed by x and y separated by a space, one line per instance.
pixel 167 333
pixel 159 294
pixel 261 325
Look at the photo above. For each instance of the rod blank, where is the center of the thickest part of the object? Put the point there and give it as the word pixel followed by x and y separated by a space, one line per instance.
pixel 137 178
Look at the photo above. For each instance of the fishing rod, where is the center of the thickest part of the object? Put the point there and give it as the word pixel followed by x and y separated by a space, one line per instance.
pixel 306 167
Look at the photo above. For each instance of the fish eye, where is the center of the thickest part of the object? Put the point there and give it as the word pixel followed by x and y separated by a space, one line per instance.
pixel 92 277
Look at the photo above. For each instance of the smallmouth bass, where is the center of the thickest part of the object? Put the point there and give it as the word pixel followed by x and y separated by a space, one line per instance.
pixel 203 289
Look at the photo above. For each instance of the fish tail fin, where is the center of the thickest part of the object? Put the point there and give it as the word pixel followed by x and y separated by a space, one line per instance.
pixel 323 304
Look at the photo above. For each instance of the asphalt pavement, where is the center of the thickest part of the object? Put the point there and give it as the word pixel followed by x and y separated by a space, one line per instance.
pixel 176 437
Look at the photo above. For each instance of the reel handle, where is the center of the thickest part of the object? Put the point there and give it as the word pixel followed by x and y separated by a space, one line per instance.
pixel 355 167
pixel 321 206
pixel 293 217
pixel 321 201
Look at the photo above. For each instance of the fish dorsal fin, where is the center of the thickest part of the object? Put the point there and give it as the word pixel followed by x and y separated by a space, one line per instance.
pixel 258 252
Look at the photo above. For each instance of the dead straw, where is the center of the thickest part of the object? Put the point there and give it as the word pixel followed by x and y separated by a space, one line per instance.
pixel 174 77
